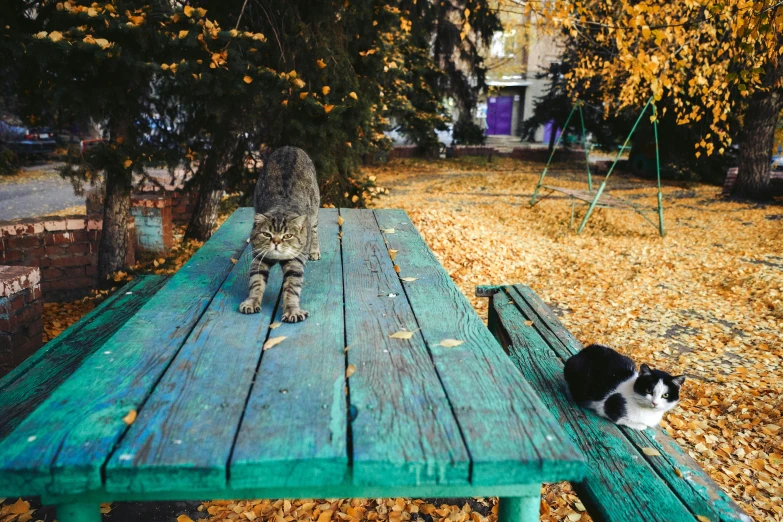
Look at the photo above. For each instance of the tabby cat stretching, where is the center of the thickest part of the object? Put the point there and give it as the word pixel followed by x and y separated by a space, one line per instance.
pixel 285 229
pixel 607 382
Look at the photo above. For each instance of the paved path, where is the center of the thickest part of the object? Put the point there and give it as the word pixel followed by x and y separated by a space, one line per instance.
pixel 36 195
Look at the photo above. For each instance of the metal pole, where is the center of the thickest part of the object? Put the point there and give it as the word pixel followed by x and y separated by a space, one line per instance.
pixel 658 172
pixel 552 155
pixel 603 184
pixel 587 152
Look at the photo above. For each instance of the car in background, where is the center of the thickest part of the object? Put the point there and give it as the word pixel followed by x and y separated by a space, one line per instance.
pixel 26 141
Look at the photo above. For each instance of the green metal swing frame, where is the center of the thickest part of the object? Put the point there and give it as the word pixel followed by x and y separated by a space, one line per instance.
pixel 594 199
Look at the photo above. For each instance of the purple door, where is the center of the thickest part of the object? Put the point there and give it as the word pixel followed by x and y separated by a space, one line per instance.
pixel 499 109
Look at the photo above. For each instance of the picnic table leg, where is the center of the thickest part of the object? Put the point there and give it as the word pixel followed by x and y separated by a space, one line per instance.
pixel 80 512
pixel 519 509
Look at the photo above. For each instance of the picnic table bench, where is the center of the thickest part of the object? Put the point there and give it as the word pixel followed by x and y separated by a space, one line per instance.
pixel 632 476
pixel 183 402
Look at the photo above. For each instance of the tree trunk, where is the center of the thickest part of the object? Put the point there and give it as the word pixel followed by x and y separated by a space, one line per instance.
pixel 758 138
pixel 205 212
pixel 113 247
pixel 210 186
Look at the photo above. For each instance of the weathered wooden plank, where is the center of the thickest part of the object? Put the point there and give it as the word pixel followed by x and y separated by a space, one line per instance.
pixel 62 445
pixel 404 431
pixel 183 435
pixel 619 484
pixel 693 486
pixel 294 430
pixel 487 392
pixel 30 383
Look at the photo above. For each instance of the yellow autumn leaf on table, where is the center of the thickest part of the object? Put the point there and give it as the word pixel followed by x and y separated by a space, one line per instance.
pixel 402 334
pixel 651 452
pixel 702 518
pixel 188 11
pixel 127 163
pixel 130 417
pixel 340 220
pixel 392 253
pixel 275 325
pixel 353 95
pixel 325 90
pixel 328 108
pixel 247 79
pixel 234 261
pixel 388 230
pixel 320 63
pixel 409 279
pixel 274 341
pixel 350 370
pixel 450 343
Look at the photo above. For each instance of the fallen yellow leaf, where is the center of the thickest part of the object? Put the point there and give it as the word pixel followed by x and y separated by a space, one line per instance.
pixel 651 452
pixel 184 518
pixel 275 325
pixel 247 79
pixel 328 108
pixel 450 343
pixel 350 370
pixel 340 220
pixel 702 518
pixel 409 279
pixel 325 90
pixel 130 417
pixel 321 64
pixel 234 261
pixel 402 334
pixel 19 507
pixel 392 253
pixel 388 230
pixel 303 95
pixel 353 95
pixel 529 323
pixel 274 341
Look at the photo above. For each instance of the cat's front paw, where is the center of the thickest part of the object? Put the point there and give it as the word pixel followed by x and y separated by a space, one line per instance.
pixel 295 316
pixel 251 305
pixel 315 256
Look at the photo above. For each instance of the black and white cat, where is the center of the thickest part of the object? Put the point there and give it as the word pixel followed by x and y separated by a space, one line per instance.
pixel 607 382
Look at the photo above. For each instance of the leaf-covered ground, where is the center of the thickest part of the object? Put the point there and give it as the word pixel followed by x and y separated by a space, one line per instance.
pixel 706 300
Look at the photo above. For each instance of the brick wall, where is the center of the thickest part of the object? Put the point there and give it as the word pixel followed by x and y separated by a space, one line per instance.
pixel 21 306
pixel 64 248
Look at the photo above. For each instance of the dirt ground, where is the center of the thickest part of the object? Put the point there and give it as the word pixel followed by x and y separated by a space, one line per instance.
pixel 705 300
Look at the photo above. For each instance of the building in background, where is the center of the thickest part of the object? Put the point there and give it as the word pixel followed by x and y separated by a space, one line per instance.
pixel 514 58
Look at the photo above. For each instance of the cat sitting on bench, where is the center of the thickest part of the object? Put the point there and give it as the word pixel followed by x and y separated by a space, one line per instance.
pixel 607 382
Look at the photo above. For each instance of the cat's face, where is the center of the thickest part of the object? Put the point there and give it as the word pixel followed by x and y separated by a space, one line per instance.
pixel 656 389
pixel 278 238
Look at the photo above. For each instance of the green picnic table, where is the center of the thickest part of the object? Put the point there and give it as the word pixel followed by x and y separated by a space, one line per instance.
pixel 183 402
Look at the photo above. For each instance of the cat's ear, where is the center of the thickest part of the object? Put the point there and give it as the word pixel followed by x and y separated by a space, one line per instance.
pixel 678 380
pixel 299 222
pixel 260 219
pixel 644 370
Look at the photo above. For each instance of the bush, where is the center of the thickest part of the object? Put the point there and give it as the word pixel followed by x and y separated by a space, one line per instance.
pixel 9 162
pixel 468 133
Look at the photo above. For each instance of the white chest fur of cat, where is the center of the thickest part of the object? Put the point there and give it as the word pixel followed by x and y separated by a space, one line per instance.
pixel 607 382
pixel 640 411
